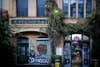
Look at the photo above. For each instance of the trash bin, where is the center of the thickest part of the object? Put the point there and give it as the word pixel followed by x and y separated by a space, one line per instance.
pixel 57 63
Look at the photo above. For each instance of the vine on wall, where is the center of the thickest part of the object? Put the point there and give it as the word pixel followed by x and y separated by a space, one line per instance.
pixel 57 27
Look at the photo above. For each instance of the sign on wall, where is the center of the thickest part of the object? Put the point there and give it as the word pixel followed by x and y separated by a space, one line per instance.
pixel 59 51
pixel 42 54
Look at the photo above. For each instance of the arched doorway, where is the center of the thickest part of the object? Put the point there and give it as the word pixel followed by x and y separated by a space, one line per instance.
pixel 33 48
pixel 77 51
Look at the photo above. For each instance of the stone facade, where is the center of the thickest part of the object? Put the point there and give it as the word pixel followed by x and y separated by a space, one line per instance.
pixel 27 26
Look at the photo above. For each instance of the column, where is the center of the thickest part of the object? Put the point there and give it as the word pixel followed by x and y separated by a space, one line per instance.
pixel 5 5
pixel 76 8
pixel 84 8
pixel 59 3
pixel 32 8
pixel 69 8
pixel 94 6
pixel 12 8
pixel 62 45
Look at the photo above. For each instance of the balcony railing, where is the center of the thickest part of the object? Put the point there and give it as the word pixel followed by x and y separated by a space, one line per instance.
pixel 28 21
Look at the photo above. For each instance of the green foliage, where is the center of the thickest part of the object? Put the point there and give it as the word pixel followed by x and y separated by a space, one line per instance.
pixel 57 27
pixel 6 46
pixel 56 58
pixel 55 19
pixel 57 14
pixel 22 59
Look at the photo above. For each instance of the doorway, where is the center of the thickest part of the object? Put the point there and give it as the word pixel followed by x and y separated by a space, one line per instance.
pixel 76 51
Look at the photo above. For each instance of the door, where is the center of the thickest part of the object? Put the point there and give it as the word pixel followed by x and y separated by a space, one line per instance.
pixel 67 54
pixel 76 51
pixel 86 55
pixel 76 54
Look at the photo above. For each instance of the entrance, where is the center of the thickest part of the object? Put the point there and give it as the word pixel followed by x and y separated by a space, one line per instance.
pixel 76 51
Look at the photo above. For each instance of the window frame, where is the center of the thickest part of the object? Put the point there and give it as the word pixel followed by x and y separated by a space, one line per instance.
pixel 22 8
pixel 88 7
pixel 81 13
pixel 73 13
pixel 38 7
pixel 64 7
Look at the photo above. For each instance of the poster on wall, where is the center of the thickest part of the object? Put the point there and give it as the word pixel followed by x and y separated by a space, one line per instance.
pixel 42 49
pixel 39 54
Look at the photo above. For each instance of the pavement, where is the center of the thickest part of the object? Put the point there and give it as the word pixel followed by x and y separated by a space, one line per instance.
pixel 33 66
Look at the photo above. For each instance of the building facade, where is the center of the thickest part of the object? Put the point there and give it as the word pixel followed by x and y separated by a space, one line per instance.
pixel 29 21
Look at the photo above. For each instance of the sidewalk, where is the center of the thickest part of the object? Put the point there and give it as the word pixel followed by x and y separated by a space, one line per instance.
pixel 33 66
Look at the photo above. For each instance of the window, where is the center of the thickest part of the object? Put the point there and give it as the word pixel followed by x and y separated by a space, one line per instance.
pixel 80 8
pixel 28 53
pixel 0 4
pixel 22 50
pixel 88 7
pixel 65 7
pixel 22 8
pixel 41 10
pixel 73 5
pixel 73 8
